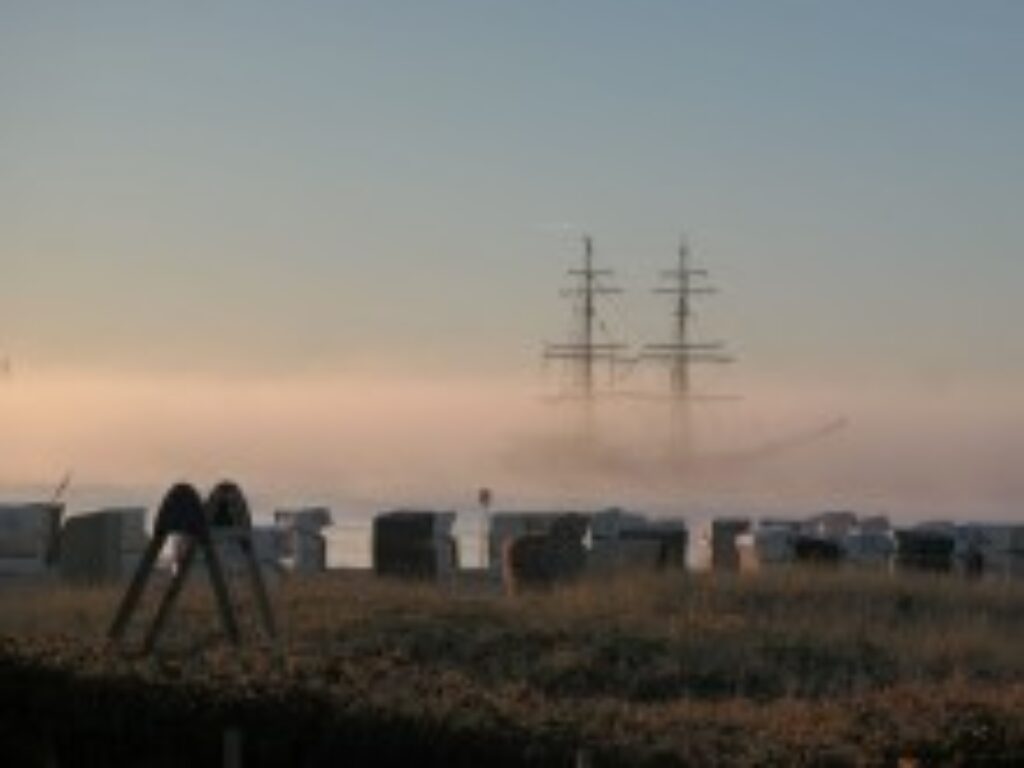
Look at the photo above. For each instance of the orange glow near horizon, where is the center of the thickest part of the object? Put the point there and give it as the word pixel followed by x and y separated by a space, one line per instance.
pixel 434 438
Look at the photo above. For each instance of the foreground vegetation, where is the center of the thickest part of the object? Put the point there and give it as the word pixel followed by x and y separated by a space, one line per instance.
pixel 787 668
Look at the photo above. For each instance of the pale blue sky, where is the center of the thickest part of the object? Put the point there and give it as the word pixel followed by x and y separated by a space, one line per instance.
pixel 354 186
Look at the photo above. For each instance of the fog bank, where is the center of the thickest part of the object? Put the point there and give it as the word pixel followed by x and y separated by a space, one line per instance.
pixel 392 440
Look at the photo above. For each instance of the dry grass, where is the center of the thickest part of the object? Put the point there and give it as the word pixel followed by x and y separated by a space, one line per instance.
pixel 792 667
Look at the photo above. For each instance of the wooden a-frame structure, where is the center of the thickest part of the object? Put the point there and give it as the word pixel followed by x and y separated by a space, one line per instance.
pixel 200 527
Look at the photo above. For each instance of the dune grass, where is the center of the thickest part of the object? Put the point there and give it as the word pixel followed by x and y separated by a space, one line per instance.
pixel 797 666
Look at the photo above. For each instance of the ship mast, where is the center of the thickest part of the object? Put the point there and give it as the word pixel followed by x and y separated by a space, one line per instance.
pixel 583 353
pixel 680 353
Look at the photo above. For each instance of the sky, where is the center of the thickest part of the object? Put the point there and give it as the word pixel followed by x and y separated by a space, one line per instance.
pixel 384 197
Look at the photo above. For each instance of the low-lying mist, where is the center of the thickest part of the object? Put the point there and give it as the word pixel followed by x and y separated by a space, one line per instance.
pixel 391 441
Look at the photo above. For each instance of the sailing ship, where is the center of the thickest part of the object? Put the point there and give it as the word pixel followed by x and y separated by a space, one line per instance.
pixel 591 349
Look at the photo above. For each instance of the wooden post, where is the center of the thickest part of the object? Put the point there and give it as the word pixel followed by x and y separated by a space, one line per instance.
pixel 232 748
pixel 220 590
pixel 170 597
pixel 135 589
pixel 259 588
